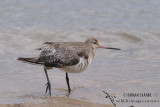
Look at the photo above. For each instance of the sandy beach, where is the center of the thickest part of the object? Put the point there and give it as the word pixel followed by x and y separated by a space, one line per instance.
pixel 131 25
pixel 58 102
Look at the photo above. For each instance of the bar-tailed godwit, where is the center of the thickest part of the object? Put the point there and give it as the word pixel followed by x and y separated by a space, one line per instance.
pixel 71 57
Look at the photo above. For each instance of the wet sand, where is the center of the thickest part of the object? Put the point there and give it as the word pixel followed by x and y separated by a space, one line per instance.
pixel 58 102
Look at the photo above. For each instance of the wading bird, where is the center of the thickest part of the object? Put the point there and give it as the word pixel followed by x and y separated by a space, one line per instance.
pixel 71 57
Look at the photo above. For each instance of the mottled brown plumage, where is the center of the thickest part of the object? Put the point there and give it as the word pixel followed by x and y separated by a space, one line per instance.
pixel 71 57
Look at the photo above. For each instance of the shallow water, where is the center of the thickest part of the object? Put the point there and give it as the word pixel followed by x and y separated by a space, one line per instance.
pixel 130 25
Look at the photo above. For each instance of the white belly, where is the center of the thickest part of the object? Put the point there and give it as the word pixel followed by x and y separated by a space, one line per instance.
pixel 80 67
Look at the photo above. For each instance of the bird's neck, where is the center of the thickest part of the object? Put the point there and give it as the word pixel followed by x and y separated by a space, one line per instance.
pixel 91 55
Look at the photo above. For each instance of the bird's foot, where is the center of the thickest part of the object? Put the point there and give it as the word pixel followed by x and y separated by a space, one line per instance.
pixel 69 90
pixel 48 88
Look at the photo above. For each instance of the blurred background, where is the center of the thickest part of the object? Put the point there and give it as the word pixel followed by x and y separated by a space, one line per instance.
pixel 132 25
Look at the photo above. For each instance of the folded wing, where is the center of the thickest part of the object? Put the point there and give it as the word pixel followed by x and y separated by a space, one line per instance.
pixel 57 56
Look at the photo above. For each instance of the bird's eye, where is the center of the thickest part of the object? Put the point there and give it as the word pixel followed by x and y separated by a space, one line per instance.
pixel 94 42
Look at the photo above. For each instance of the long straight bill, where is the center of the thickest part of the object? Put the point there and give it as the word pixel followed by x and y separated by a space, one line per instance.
pixel 109 48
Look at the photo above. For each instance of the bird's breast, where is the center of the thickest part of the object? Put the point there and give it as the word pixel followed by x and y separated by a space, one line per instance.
pixel 80 67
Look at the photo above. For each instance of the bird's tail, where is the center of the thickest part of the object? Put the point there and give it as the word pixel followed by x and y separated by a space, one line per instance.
pixel 30 60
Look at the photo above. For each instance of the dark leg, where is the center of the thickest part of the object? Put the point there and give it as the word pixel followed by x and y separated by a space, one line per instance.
pixel 67 80
pixel 48 83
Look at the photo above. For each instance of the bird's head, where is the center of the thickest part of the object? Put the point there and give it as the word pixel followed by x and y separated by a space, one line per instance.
pixel 95 44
